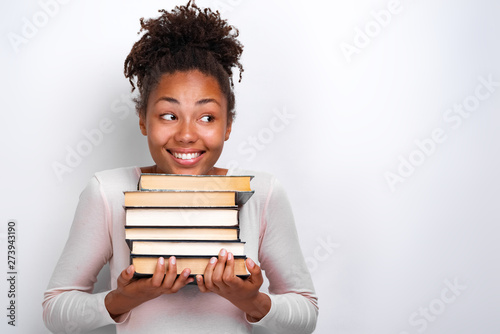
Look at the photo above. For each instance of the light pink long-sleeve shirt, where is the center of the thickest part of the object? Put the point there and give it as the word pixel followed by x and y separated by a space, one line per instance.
pixel 97 237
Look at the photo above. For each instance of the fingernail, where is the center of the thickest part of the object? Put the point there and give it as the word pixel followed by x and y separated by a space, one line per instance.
pixel 222 252
pixel 250 263
pixel 172 260
pixel 129 269
pixel 198 278
pixel 162 261
pixel 212 260
pixel 229 256
pixel 186 273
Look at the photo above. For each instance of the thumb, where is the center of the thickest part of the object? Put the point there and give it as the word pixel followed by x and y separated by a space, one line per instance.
pixel 126 275
pixel 254 270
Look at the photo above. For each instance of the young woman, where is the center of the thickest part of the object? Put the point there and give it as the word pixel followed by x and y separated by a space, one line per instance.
pixel 182 67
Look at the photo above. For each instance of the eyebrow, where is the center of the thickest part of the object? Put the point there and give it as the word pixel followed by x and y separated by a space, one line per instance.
pixel 199 102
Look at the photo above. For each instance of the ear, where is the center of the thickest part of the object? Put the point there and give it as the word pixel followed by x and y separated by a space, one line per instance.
pixel 228 130
pixel 142 124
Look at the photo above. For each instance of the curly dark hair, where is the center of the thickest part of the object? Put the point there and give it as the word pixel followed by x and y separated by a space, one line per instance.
pixel 187 38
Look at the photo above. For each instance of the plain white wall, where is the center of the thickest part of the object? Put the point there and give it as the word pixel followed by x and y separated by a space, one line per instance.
pixel 364 86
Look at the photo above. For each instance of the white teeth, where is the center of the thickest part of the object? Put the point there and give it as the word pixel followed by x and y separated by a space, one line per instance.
pixel 186 156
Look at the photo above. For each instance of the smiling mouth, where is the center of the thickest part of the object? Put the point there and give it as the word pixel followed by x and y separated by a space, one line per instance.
pixel 186 156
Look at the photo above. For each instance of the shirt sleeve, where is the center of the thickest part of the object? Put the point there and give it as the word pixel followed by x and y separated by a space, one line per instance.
pixel 294 304
pixel 69 305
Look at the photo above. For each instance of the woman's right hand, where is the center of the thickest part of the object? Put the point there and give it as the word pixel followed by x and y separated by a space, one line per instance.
pixel 131 292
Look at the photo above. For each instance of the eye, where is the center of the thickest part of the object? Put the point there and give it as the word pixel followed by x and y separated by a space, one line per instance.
pixel 168 117
pixel 207 118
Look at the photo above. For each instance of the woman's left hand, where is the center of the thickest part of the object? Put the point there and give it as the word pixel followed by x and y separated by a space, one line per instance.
pixel 219 277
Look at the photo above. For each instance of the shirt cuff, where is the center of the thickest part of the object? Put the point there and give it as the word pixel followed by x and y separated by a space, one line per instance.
pixel 107 317
pixel 264 321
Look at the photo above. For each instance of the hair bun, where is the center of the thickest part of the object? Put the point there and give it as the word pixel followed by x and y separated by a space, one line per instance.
pixel 184 27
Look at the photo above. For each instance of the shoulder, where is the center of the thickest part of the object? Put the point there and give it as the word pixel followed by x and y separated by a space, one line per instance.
pixel 112 183
pixel 107 187
pixel 265 185
pixel 124 178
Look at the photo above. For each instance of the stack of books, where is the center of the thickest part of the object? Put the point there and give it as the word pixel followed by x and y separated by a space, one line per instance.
pixel 190 217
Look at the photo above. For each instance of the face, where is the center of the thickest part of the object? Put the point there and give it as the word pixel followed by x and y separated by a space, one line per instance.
pixel 186 123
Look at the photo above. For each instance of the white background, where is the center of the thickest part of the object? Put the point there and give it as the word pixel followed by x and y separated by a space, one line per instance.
pixel 391 251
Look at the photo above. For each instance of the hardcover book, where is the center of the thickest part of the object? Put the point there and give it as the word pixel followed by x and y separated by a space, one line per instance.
pixel 167 198
pixel 185 247
pixel 145 265
pixel 215 216
pixel 195 182
pixel 181 233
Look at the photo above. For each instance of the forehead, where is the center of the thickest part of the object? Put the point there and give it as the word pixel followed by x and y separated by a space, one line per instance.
pixel 189 84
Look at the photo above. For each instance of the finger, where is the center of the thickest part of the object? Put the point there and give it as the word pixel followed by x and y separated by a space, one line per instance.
pixel 209 270
pixel 255 272
pixel 126 276
pixel 159 273
pixel 201 284
pixel 171 273
pixel 219 269
pixel 182 280
pixel 228 276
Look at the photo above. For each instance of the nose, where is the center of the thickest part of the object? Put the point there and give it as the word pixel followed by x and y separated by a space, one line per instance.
pixel 186 132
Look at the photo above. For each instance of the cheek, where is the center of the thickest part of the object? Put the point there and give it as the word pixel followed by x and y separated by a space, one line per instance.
pixel 215 137
pixel 157 136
